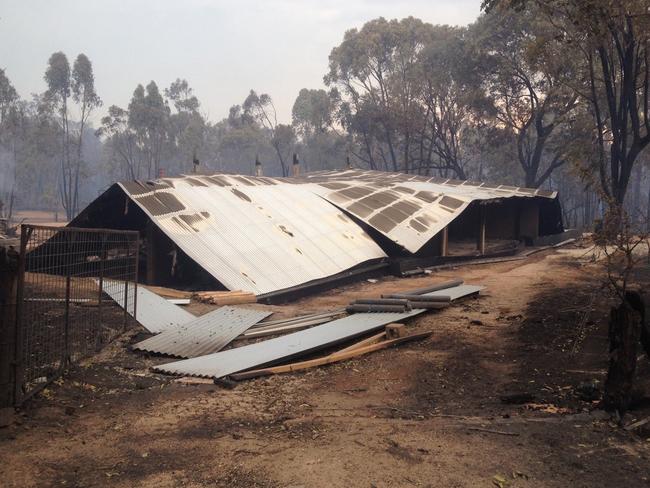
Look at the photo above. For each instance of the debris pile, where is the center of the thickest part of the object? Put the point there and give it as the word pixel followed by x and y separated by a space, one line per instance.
pixel 200 341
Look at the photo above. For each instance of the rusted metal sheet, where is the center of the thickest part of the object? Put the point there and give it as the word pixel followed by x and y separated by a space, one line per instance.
pixel 204 335
pixel 255 234
pixel 408 209
pixel 154 312
pixel 299 343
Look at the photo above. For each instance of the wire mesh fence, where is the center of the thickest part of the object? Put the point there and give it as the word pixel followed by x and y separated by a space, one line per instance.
pixel 64 313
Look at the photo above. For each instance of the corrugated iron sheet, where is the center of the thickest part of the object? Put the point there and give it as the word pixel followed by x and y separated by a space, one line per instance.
pixel 255 234
pixel 154 312
pixel 265 235
pixel 241 358
pixel 298 343
pixel 408 209
pixel 204 335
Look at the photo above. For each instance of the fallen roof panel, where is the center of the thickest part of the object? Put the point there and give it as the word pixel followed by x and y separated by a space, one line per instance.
pixel 206 334
pixel 267 352
pixel 262 353
pixel 154 312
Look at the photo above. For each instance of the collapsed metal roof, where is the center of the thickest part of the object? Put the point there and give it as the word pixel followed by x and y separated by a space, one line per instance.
pixel 408 209
pixel 254 234
pixel 265 235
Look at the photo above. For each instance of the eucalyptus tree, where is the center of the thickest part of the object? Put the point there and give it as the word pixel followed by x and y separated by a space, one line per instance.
pixel 611 39
pixel 148 117
pixel 84 94
pixel 281 136
pixel 529 83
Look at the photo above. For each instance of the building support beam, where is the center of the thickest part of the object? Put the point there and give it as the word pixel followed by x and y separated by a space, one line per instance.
pixel 480 244
pixel 444 241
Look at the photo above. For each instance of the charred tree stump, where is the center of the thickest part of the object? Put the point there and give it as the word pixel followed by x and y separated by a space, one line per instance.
pixel 625 325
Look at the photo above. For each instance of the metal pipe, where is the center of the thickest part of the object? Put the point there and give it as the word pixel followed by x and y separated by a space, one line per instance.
pixel 439 286
pixel 381 301
pixel 375 308
pixel 428 305
pixel 419 298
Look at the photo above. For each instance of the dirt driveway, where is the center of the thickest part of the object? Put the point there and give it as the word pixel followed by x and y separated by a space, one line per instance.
pixel 502 394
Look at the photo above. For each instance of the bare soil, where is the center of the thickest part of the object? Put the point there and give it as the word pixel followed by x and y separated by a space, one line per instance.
pixel 504 393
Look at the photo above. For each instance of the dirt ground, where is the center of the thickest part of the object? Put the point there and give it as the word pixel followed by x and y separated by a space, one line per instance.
pixel 504 393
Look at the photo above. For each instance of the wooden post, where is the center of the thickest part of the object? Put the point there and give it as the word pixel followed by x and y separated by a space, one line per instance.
pixel 8 301
pixel 480 245
pixel 444 241
pixel 151 259
pixel 624 334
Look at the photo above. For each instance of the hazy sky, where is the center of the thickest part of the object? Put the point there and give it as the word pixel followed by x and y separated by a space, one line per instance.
pixel 222 47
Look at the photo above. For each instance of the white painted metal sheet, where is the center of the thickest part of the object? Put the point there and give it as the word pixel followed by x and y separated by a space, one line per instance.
pixel 204 335
pixel 153 311
pixel 255 237
pixel 298 343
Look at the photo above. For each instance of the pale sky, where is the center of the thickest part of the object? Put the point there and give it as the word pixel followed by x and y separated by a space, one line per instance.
pixel 222 47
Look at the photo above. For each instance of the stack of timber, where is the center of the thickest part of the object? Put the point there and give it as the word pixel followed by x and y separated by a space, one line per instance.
pixel 225 297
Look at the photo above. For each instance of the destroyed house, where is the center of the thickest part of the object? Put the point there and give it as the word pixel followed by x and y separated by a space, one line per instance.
pixel 277 236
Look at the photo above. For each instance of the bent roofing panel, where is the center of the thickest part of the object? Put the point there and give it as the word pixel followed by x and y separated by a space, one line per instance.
pixel 253 235
pixel 153 312
pixel 298 343
pixel 408 209
pixel 204 335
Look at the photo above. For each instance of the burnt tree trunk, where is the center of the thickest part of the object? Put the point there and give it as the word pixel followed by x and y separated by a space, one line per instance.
pixel 625 325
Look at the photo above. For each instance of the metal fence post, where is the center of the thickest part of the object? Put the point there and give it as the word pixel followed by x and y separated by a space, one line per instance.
pixel 66 324
pixel 8 290
pixel 25 235
pixel 136 245
pixel 102 259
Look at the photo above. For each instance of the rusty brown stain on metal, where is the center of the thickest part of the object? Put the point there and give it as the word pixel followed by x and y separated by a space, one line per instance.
pixel 407 207
pixel 382 223
pixel 451 202
pixel 333 185
pixel 403 189
pixel 135 187
pixel 160 203
pixel 180 224
pixel 358 208
pixel 417 225
pixel 355 192
pixel 395 214
pixel 194 182
pixel 241 195
pixel 426 196
pixel 191 219
pixel 217 180
pixel 379 200
pixel 244 180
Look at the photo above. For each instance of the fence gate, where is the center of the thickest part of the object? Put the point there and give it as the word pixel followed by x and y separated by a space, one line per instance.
pixel 64 313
